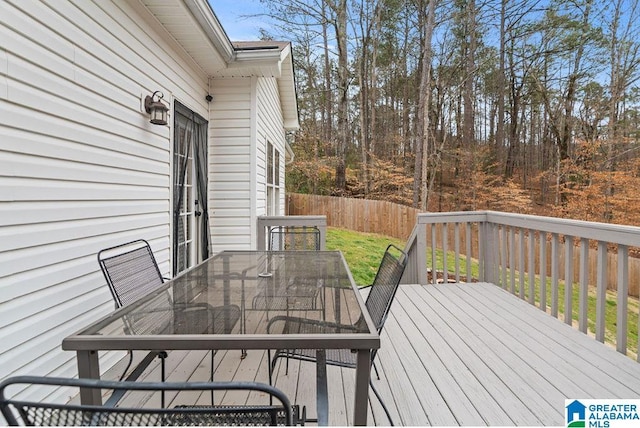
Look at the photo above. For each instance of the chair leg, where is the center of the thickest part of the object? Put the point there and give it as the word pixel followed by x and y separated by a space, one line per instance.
pixel 163 356
pixel 211 375
pixel 376 370
pixel 269 367
pixel 384 407
pixel 126 369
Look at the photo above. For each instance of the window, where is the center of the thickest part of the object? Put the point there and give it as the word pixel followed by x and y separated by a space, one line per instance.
pixel 273 180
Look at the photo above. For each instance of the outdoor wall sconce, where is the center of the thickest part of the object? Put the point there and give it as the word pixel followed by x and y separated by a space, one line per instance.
pixel 156 109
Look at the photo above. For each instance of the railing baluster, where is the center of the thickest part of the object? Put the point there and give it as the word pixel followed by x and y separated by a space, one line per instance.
pixel 445 253
pixel 456 237
pixel 601 292
pixel 543 270
pixel 512 258
pixel 434 258
pixel 495 249
pixel 468 246
pixel 521 267
pixel 482 241
pixel 568 279
pixel 532 267
pixel 584 286
pixel 622 299
pixel 504 260
pixel 555 274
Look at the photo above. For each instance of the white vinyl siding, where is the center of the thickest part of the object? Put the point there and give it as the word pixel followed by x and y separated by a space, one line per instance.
pixel 238 160
pixel 231 166
pixel 81 167
pixel 269 126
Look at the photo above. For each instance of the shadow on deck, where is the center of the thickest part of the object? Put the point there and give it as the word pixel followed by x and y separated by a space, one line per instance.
pixel 452 354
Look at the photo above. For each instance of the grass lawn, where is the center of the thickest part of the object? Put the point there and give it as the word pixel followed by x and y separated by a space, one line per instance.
pixel 362 251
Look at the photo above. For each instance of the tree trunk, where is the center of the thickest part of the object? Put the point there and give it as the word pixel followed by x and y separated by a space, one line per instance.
pixel 340 9
pixel 424 130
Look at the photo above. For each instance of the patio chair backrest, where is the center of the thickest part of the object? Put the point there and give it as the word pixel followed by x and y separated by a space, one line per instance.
pixel 131 271
pixel 385 285
pixel 294 238
pixel 19 411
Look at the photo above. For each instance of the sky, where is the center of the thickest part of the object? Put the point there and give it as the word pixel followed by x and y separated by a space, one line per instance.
pixel 238 27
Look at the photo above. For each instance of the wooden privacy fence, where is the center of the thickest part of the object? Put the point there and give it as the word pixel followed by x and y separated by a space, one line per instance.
pixel 397 220
pixel 362 215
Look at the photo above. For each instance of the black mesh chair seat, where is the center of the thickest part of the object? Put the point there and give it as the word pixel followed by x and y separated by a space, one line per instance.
pixel 266 415
pixel 19 411
pixel 378 304
pixel 132 273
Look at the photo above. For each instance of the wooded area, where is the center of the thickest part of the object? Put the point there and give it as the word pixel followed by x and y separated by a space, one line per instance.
pixel 524 106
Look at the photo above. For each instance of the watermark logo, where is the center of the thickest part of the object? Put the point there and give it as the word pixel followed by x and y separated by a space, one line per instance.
pixel 589 413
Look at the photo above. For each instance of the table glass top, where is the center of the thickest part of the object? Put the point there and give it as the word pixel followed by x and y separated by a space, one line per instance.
pixel 247 293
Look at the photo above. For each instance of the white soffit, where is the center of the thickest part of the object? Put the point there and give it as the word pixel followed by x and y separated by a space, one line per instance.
pixel 196 29
pixel 193 24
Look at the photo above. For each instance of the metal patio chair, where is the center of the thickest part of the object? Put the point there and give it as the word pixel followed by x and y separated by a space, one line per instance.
pixel 19 411
pixel 378 303
pixel 295 295
pixel 132 273
pixel 294 238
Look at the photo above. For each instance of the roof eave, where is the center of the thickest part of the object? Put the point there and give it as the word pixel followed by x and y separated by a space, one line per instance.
pixel 202 12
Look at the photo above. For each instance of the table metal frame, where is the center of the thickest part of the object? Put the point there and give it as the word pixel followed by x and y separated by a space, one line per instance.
pixel 87 346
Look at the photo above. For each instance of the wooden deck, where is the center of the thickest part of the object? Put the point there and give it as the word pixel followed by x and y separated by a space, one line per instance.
pixel 452 354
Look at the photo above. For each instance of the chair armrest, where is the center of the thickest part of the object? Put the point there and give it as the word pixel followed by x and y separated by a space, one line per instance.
pixel 310 322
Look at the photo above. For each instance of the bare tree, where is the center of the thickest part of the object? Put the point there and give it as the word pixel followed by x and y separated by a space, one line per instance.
pixel 425 139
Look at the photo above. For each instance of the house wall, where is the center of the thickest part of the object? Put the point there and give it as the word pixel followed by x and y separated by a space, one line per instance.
pixel 231 163
pixel 269 127
pixel 245 114
pixel 81 167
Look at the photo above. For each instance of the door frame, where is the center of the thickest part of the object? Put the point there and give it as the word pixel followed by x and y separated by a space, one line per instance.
pixel 198 202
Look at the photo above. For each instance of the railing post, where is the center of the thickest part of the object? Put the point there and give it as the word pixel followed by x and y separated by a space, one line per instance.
pixel 421 252
pixel 261 233
pixel 488 261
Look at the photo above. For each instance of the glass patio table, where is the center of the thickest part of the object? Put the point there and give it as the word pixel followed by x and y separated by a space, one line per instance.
pixel 262 285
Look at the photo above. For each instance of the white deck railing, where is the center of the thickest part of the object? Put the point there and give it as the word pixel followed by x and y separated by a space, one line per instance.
pixel 562 266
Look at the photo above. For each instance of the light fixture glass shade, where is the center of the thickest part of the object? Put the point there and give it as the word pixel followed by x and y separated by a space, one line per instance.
pixel 156 109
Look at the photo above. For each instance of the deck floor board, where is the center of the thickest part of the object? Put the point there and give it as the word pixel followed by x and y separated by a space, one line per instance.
pixel 452 354
pixel 575 354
